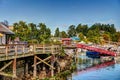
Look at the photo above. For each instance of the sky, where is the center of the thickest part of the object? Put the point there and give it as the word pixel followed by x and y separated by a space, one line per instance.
pixel 61 13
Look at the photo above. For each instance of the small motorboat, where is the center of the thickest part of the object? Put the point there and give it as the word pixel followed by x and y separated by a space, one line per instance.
pixel 93 54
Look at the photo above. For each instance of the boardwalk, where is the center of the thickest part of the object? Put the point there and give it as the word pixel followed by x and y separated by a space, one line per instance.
pixel 10 53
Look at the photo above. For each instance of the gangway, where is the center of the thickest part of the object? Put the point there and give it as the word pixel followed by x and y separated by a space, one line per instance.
pixel 96 49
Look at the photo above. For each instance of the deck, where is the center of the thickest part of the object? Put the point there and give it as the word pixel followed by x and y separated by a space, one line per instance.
pixel 11 51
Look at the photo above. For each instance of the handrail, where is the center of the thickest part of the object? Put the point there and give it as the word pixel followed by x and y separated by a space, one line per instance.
pixel 16 49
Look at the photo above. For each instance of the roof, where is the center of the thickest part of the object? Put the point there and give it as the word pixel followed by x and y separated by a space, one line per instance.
pixel 4 29
pixel 75 38
pixel 66 39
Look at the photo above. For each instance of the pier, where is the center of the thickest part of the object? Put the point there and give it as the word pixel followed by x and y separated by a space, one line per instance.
pixel 38 60
pixel 31 55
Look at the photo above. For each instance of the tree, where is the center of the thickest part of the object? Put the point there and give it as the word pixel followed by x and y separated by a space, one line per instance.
pixel 71 31
pixel 81 36
pixel 21 30
pixel 44 33
pixel 112 29
pixel 106 37
pixel 93 36
pixel 116 37
pixel 63 34
pixel 15 29
pixel 57 32
pixel 82 29
pixel 33 30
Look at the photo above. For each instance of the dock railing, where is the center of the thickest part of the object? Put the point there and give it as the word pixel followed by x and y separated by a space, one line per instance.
pixel 10 51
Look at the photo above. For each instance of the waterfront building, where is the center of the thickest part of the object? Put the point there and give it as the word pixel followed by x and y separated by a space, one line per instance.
pixel 4 33
pixel 66 41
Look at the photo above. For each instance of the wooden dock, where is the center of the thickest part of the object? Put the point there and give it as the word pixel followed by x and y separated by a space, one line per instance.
pixel 12 52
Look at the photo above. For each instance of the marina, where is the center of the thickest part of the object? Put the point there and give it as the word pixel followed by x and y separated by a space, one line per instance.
pixel 17 54
pixel 59 40
pixel 97 70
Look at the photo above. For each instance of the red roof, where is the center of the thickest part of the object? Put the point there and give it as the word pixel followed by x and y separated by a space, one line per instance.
pixel 66 39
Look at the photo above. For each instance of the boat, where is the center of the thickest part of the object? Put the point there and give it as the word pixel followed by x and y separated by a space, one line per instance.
pixel 93 54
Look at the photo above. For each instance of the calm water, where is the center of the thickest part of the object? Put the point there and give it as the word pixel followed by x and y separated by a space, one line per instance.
pixel 94 69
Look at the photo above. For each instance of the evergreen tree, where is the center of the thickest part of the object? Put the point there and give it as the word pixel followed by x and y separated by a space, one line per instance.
pixel 57 32
pixel 71 31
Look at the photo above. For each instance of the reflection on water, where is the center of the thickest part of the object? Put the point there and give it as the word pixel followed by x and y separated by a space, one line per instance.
pixel 94 69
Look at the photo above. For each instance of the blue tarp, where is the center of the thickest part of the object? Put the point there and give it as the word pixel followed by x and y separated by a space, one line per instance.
pixel 93 54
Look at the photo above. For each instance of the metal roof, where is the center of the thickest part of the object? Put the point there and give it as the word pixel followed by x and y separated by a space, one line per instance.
pixel 4 29
pixel 75 38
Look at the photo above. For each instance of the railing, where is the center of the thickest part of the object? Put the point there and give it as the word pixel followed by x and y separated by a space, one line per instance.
pixel 23 50
pixel 100 50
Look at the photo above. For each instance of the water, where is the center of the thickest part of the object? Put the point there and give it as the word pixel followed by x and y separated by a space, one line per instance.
pixel 94 69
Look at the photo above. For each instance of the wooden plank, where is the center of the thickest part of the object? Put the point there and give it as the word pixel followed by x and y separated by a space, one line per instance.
pixel 7 75
pixel 6 66
pixel 14 67
pixel 6 51
pixel 45 62
pixel 41 61
pixel 35 67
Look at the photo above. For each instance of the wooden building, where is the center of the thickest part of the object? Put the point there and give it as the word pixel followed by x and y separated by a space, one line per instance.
pixel 66 41
pixel 4 33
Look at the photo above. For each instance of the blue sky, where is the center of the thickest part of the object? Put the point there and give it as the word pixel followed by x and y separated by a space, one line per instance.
pixel 61 13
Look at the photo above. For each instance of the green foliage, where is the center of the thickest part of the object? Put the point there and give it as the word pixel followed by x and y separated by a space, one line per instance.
pixel 82 29
pixel 81 36
pixel 33 41
pixel 73 67
pixel 44 33
pixel 63 34
pixel 71 31
pixel 21 30
pixel 31 33
pixel 57 43
pixel 115 37
pixel 93 36
pixel 57 32
pixel 33 30
pixel 62 54
pixel 106 36
pixel 41 33
pixel 62 75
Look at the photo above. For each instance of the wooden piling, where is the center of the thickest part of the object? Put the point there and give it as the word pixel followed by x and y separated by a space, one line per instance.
pixel 14 67
pixel 35 67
